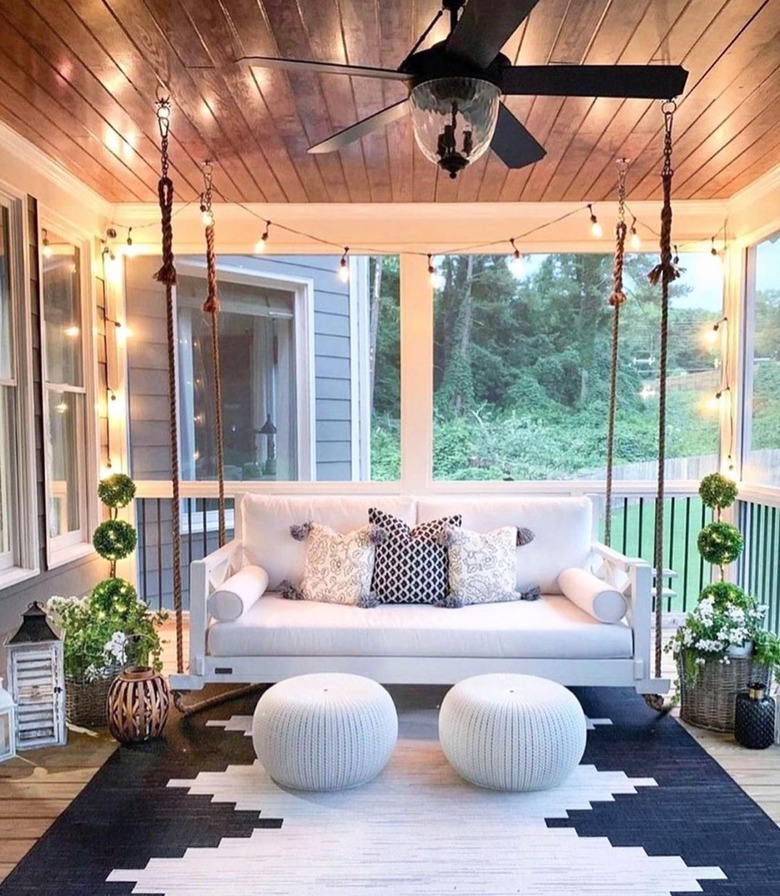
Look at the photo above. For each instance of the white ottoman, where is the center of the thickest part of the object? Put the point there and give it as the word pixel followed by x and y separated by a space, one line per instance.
pixel 325 731
pixel 512 732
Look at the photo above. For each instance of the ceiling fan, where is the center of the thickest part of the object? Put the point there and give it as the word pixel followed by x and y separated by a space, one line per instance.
pixel 455 87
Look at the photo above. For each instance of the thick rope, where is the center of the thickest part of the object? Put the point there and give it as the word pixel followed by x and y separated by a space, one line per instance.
pixel 167 275
pixel 664 273
pixel 616 299
pixel 211 307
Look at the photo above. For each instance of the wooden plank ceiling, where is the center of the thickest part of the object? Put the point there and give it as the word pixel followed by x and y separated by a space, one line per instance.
pixel 78 79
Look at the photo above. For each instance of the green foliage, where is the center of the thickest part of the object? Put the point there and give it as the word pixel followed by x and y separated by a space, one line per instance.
pixel 766 650
pixel 117 490
pixel 717 491
pixel 726 594
pixel 114 540
pixel 720 543
pixel 111 626
pixel 99 637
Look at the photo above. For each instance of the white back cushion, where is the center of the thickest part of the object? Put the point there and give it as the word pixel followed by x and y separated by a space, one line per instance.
pixel 562 530
pixel 264 526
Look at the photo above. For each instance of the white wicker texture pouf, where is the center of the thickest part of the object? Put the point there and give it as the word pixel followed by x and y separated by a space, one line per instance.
pixel 326 731
pixel 512 732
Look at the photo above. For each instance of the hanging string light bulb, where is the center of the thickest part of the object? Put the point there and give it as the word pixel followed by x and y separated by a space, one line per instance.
pixel 714 254
pixel 595 228
pixel 516 264
pixel 260 244
pixel 636 242
pixel 343 272
pixel 129 245
pixel 45 241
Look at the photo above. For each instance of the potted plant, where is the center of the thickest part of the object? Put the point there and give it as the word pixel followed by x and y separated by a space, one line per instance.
pixel 111 626
pixel 723 644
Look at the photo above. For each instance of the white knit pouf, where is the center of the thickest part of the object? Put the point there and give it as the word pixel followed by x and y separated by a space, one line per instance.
pixel 326 731
pixel 512 732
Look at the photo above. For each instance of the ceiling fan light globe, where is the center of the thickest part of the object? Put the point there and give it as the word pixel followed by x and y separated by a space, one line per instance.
pixel 472 102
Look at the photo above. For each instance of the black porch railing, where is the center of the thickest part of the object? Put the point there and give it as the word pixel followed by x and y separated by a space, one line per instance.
pixel 758 571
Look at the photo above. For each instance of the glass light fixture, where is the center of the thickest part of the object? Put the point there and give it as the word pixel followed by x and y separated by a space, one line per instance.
pixel 454 120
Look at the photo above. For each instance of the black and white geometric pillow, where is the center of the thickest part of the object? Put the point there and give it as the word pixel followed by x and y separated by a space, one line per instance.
pixel 410 566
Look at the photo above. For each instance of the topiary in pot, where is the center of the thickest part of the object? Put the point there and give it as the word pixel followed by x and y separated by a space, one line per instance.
pixel 723 639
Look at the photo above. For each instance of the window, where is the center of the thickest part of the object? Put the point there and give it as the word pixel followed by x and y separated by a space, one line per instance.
pixel 7 401
pixel 762 449
pixel 18 541
pixel 522 364
pixel 310 369
pixel 67 442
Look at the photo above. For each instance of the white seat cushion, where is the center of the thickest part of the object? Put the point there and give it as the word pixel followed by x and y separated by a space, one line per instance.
pixel 550 627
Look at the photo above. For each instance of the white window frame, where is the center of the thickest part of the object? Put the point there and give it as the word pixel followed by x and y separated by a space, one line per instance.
pixel 23 562
pixel 302 289
pixel 62 549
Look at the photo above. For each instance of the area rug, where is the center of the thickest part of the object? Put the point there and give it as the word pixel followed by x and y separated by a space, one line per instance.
pixel 647 812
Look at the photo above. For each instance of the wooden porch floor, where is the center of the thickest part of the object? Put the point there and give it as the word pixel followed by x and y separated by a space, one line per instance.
pixel 39 784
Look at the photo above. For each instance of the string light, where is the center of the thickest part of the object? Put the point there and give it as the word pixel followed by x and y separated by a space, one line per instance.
pixel 711 335
pixel 720 392
pixel 129 247
pixel 595 228
pixel 516 264
pixel 636 242
pixel 260 245
pixel 676 256
pixel 343 272
pixel 432 272
pixel 46 246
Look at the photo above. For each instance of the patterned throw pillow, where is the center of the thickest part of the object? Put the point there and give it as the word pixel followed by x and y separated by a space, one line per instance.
pixel 337 568
pixel 483 568
pixel 411 564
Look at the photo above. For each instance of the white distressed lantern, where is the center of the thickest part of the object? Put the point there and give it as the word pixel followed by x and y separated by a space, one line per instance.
pixel 36 681
pixel 7 726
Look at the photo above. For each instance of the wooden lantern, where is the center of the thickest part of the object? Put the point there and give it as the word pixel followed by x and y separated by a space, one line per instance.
pixel 36 681
pixel 7 726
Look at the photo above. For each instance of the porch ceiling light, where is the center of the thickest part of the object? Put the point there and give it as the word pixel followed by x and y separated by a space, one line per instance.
pixel 454 119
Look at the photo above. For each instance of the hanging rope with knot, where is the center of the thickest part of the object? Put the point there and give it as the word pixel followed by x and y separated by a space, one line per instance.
pixel 664 273
pixel 616 299
pixel 167 275
pixel 211 307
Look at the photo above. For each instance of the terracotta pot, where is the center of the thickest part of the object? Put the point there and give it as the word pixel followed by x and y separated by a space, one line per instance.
pixel 137 704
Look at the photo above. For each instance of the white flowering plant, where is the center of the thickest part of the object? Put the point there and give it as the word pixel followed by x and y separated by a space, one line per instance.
pixel 725 619
pixel 106 630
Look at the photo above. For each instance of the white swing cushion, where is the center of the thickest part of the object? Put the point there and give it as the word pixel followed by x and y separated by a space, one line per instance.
pixel 600 600
pixel 237 594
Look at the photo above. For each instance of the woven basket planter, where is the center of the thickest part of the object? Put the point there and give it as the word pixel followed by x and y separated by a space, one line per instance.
pixel 138 704
pixel 709 701
pixel 85 701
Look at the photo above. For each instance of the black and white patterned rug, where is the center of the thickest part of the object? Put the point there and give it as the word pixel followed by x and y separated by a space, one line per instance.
pixel 647 813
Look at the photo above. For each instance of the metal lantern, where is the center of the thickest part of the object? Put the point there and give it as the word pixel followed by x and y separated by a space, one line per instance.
pixel 36 681
pixel 7 726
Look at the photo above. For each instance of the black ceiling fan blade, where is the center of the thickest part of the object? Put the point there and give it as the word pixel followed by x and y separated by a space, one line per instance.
pixel 512 143
pixel 326 68
pixel 484 27
pixel 661 82
pixel 361 128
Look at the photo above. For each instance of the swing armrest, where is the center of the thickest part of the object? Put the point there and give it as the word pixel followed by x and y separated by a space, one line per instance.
pixel 206 576
pixel 635 578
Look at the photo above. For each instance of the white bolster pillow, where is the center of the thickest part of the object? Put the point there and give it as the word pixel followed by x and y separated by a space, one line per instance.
pixel 237 594
pixel 597 598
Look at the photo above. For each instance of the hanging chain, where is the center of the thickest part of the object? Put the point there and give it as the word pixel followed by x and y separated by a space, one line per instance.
pixel 167 273
pixel 211 307
pixel 616 299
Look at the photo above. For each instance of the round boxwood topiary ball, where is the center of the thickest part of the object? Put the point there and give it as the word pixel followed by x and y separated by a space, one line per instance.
pixel 117 490
pixel 114 539
pixel 726 594
pixel 114 596
pixel 720 543
pixel 717 490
